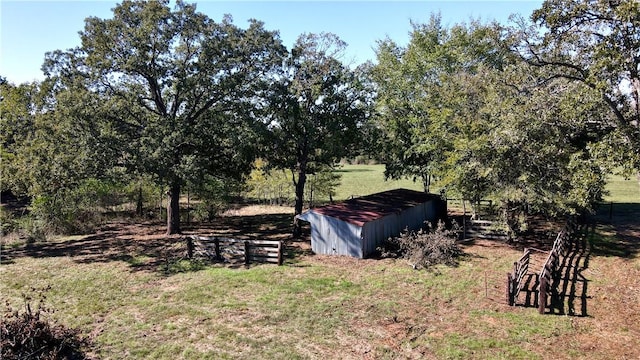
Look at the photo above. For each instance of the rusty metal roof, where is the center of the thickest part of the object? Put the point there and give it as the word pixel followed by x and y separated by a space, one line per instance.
pixel 359 211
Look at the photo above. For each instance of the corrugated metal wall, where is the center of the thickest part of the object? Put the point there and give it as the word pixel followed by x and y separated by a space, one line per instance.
pixel 377 231
pixel 332 236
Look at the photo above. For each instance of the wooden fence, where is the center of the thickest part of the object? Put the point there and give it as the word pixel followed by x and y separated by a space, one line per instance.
pixel 551 267
pixel 483 229
pixel 550 272
pixel 213 247
pixel 515 279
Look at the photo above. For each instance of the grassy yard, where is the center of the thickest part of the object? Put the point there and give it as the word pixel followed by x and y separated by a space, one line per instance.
pixel 313 307
pixel 129 289
pixel 621 190
pixel 359 180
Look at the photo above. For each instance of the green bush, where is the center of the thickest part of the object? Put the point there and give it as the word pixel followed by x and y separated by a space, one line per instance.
pixel 97 195
pixel 143 195
pixel 206 210
pixel 31 229
pixel 50 215
pixel 211 197
pixel 8 223
pixel 270 186
pixel 322 185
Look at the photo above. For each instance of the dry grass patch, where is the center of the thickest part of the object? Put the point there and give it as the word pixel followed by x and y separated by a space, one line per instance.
pixel 251 210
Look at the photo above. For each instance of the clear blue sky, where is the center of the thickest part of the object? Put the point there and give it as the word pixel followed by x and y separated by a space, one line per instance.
pixel 28 29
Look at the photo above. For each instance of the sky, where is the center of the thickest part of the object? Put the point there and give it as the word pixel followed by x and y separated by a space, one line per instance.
pixel 29 29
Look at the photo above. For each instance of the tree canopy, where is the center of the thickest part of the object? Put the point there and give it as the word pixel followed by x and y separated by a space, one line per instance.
pixel 182 89
pixel 414 85
pixel 594 42
pixel 318 109
pixel 454 104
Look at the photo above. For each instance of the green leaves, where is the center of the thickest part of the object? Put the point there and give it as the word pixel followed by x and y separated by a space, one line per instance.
pixel 430 92
pixel 319 106
pixel 456 106
pixel 595 43
pixel 174 93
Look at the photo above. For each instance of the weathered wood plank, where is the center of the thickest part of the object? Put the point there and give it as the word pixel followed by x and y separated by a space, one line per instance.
pixel 484 222
pixel 264 254
pixel 251 250
pixel 255 258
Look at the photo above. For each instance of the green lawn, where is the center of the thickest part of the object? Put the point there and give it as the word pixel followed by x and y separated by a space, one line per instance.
pixel 359 180
pixel 314 308
pixel 621 190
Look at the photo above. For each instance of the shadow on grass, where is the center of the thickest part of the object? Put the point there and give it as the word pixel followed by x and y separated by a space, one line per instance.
pixel 145 247
pixel 618 230
pixel 568 290
pixel 569 294
pixel 354 170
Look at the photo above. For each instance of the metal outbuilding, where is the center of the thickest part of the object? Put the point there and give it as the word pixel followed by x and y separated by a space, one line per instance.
pixel 357 227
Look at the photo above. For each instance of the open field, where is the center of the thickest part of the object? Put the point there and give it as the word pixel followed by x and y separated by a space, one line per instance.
pixel 622 190
pixel 129 288
pixel 359 180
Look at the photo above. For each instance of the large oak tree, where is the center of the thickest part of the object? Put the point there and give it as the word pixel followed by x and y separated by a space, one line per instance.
pixel 455 104
pixel 181 87
pixel 428 95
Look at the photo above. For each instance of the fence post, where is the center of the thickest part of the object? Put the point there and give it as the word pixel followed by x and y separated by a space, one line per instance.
pixel 542 300
pixel 464 220
pixel 189 247
pixel 509 286
pixel 216 242
pixel 246 253
pixel 279 253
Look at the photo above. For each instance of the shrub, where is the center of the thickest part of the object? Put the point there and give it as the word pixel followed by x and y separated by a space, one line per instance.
pixel 424 249
pixel 143 194
pixel 270 186
pixel 31 335
pixel 68 211
pixel 7 222
pixel 322 185
pixel 212 196
pixel 31 229
pixel 206 210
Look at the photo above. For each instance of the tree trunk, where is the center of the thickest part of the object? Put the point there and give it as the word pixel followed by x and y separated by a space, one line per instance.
pixel 139 201
pixel 173 209
pixel 426 182
pixel 302 179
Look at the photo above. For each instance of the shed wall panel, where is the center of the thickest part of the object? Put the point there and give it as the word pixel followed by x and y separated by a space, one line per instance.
pixel 332 236
pixel 344 237
pixel 374 233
